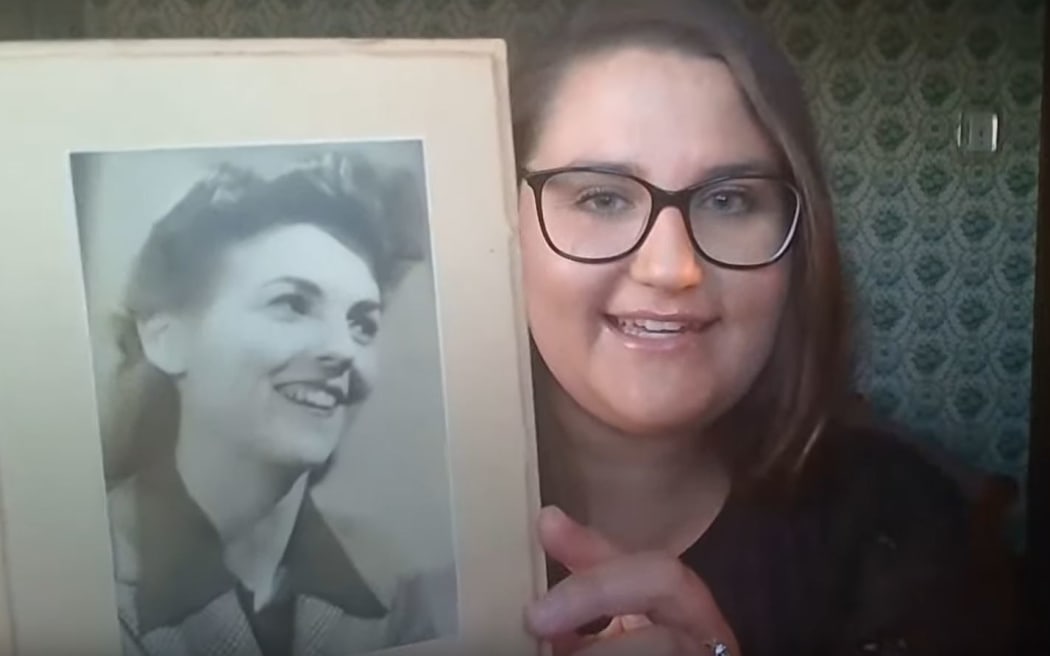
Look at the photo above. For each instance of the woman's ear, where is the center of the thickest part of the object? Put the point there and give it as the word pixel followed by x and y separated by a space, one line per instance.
pixel 163 339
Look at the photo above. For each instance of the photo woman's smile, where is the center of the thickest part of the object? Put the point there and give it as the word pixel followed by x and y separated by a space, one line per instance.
pixel 284 352
pixel 323 396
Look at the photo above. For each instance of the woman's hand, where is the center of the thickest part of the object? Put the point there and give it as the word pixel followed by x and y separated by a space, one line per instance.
pixel 658 606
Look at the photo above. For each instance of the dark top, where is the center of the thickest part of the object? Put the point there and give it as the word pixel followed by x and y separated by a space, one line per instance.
pixel 868 555
pixel 182 570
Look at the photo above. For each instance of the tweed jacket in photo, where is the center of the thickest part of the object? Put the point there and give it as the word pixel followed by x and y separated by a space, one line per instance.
pixel 175 596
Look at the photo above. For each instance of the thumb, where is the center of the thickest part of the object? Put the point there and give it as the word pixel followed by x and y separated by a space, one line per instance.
pixel 572 544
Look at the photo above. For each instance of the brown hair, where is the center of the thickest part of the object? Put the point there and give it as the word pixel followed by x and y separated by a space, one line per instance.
pixel 793 400
pixel 372 213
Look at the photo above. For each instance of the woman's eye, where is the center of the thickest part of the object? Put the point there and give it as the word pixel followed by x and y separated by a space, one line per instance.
pixel 603 202
pixel 297 304
pixel 726 202
pixel 363 328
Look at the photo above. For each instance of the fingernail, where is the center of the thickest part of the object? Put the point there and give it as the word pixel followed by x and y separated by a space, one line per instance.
pixel 551 511
pixel 553 515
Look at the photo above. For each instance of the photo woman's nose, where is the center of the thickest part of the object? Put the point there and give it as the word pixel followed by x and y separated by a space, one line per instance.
pixel 336 346
pixel 666 258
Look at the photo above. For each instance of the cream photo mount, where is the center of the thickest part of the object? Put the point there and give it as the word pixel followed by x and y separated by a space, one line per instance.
pixel 57 589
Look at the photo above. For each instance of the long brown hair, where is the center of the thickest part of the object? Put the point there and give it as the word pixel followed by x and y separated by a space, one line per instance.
pixel 803 384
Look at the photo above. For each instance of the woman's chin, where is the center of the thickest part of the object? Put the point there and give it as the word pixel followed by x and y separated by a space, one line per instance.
pixel 302 453
pixel 653 430
pixel 655 420
pixel 307 442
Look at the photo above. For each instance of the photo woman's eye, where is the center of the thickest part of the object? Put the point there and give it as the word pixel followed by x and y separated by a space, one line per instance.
pixel 292 304
pixel 363 322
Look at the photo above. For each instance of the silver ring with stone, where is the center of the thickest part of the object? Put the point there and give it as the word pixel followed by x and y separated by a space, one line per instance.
pixel 718 648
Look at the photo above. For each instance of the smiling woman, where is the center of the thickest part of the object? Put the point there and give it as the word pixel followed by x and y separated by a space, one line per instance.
pixel 708 489
pixel 247 343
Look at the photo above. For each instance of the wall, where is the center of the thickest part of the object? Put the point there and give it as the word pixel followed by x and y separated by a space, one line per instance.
pixel 941 247
pixel 13 22
pixel 41 19
pixel 372 18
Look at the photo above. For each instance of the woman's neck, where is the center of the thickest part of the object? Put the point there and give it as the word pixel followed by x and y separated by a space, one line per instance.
pixel 252 508
pixel 642 492
pixel 255 555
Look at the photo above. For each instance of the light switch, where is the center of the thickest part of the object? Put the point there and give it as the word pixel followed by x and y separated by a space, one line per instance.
pixel 978 131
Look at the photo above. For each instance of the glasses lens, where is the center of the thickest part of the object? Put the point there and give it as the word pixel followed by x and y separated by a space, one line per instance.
pixel 594 215
pixel 745 221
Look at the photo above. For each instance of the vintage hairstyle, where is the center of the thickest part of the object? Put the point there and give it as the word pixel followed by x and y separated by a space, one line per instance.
pixel 799 390
pixel 376 214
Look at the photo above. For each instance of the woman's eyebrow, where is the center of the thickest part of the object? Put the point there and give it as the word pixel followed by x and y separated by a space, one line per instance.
pixel 301 285
pixel 742 168
pixel 366 306
pixel 608 165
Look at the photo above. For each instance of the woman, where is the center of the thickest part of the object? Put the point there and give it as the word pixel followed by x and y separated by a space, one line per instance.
pixel 248 344
pixel 704 490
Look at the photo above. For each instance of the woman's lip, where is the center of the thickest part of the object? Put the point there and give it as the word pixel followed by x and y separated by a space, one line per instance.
pixel 658 341
pixel 339 395
pixel 317 397
pixel 644 315
pixel 350 389
pixel 688 322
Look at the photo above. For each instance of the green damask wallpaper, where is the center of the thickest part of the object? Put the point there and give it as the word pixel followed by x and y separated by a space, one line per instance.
pixel 941 246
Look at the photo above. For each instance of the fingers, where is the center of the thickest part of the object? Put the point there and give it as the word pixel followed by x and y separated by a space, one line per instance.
pixel 624 623
pixel 653 640
pixel 658 605
pixel 655 585
pixel 571 643
pixel 571 543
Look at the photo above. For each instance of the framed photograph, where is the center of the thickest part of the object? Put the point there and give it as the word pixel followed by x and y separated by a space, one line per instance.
pixel 265 384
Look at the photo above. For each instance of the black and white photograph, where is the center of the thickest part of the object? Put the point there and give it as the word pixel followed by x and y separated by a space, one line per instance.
pixel 267 363
pixel 267 380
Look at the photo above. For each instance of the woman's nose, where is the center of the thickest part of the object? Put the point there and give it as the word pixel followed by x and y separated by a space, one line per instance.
pixel 667 259
pixel 338 347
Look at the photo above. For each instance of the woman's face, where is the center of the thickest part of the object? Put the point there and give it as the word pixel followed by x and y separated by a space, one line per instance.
pixel 283 352
pixel 660 341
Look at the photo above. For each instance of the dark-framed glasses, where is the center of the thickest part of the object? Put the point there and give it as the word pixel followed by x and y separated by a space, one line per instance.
pixel 594 215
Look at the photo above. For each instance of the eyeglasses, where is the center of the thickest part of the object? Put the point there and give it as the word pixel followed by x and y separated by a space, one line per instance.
pixel 595 215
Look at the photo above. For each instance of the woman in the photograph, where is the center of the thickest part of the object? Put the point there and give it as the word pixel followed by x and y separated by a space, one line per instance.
pixel 248 345
pixel 707 491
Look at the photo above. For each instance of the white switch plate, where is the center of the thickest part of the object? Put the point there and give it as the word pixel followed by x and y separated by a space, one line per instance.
pixel 978 131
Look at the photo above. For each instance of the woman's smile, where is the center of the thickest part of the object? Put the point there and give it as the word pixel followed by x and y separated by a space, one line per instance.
pixel 659 332
pixel 316 397
pixel 322 396
pixel 325 396
pixel 286 350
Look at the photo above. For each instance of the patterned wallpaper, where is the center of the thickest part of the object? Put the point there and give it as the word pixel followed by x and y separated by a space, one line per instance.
pixel 368 18
pixel 41 19
pixel 941 245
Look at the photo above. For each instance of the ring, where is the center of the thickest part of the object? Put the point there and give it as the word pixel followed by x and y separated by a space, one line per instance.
pixel 718 648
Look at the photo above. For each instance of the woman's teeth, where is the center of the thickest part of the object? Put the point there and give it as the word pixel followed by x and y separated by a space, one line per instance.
pixel 650 327
pixel 309 395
